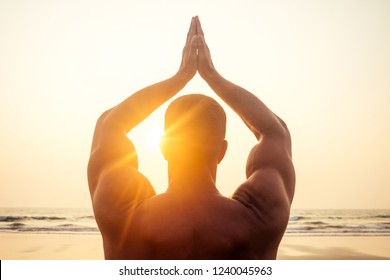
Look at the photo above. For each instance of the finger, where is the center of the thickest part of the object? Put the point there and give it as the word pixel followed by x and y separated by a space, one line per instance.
pixel 203 49
pixel 204 43
pixel 191 31
pixel 199 30
pixel 190 49
pixel 201 43
pixel 193 47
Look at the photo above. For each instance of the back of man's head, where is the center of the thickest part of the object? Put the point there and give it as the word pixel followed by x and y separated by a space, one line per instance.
pixel 195 125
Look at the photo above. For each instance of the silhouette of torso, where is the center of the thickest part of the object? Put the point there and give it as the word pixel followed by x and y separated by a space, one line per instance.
pixel 202 226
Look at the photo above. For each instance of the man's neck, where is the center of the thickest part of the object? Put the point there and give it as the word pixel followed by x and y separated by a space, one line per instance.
pixel 192 179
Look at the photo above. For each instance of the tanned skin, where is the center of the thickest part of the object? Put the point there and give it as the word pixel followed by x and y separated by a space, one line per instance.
pixel 191 220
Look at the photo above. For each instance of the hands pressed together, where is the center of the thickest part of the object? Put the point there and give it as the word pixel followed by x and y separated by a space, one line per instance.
pixel 196 54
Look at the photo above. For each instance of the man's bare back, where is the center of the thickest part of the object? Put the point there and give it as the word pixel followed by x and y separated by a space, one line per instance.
pixel 205 227
pixel 191 220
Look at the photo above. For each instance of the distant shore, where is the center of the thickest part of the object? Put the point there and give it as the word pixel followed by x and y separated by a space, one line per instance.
pixel 22 246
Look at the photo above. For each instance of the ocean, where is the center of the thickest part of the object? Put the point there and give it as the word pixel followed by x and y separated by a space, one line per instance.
pixel 315 222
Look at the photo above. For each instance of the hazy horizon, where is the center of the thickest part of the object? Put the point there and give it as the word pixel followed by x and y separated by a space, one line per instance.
pixel 322 66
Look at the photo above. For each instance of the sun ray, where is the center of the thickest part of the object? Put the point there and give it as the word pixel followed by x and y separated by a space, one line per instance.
pixel 153 137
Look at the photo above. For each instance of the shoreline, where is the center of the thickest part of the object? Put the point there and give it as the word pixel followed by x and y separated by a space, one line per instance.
pixel 27 246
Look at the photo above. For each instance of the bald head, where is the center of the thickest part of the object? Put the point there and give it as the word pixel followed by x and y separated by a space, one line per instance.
pixel 195 123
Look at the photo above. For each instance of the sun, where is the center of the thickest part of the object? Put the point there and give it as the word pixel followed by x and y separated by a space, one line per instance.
pixel 153 137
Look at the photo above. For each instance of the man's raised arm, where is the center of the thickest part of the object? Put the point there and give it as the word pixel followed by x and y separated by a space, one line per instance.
pixel 269 188
pixel 113 176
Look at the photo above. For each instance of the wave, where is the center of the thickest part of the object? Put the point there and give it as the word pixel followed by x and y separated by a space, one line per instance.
pixel 42 218
pixel 17 225
pixel 25 218
pixel 382 216
pixel 8 219
pixel 56 229
pixel 298 218
pixel 316 223
pixel 11 218
pixel 66 225
pixel 329 229
pixel 92 217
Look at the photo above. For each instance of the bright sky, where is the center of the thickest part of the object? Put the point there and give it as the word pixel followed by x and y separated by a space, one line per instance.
pixel 321 65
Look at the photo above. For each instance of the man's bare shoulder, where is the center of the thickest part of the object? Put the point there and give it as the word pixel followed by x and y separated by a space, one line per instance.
pixel 263 194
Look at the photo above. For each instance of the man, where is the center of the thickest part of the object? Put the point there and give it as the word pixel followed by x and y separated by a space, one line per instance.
pixel 191 220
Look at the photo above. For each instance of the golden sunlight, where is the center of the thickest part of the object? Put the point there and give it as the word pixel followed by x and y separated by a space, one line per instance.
pixel 153 137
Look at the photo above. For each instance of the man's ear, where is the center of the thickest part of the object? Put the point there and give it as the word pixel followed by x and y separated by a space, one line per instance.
pixel 163 147
pixel 222 151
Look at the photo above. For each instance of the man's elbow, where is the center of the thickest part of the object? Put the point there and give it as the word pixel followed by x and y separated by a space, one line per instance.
pixel 107 120
pixel 103 119
pixel 279 129
pixel 282 123
pixel 286 131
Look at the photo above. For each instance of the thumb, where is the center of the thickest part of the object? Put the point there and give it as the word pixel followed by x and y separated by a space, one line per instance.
pixel 201 42
pixel 194 43
pixel 202 47
pixel 193 46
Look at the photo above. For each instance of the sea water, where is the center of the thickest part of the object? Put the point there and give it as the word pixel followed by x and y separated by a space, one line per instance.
pixel 309 222
pixel 48 220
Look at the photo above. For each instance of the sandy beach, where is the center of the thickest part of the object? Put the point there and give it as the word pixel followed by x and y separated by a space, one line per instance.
pixel 89 247
pixel 335 248
pixel 19 246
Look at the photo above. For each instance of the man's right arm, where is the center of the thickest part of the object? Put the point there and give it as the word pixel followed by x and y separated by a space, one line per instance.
pixel 269 188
